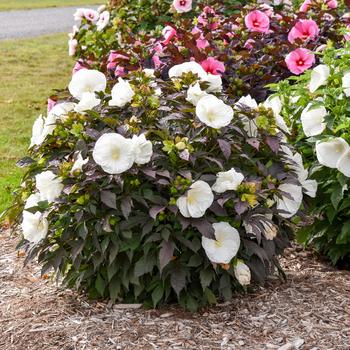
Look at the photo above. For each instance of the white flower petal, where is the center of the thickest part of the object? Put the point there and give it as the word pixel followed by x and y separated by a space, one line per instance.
pixel 122 93
pixel 86 80
pixel 319 76
pixel 143 149
pixel 346 84
pixel 313 120
pixel 225 246
pixel 114 153
pixel 214 112
pixel 343 164
pixel 227 181
pixel 329 152
pixel 289 206
pixel 48 185
pixel 88 102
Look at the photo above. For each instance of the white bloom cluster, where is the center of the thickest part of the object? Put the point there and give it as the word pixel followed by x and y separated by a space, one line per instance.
pixel 210 110
pixel 43 127
pixel 35 225
pixel 116 154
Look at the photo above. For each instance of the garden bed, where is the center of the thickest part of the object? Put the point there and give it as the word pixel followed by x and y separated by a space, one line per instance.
pixel 310 311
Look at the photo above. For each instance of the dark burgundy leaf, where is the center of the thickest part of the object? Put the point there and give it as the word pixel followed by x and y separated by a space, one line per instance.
pixel 178 280
pixel 165 254
pixel 241 207
pixel 126 205
pixel 225 148
pixel 109 199
pixel 254 143
pixel 154 211
pixel 273 143
pixel 204 227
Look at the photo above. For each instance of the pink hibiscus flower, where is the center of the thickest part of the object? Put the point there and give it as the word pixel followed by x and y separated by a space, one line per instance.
pixel 299 60
pixel 112 59
pixel 257 21
pixel 213 66
pixel 168 33
pixel 303 29
pixel 182 6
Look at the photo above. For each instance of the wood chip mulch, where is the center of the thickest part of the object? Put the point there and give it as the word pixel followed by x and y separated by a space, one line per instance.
pixel 310 311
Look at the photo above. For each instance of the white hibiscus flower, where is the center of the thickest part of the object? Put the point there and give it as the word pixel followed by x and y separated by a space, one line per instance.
pixel 48 185
pixel 346 84
pixel 225 246
pixel 122 93
pixel 319 76
pixel 195 93
pixel 143 149
pixel 290 206
pixel 114 153
pixel 86 80
pixel 103 21
pixel 313 120
pixel 196 201
pixel 227 181
pixel 214 112
pixel 87 102
pixel 329 152
pixel 187 67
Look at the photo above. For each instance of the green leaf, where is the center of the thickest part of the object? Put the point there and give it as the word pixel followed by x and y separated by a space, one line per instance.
pixel 206 276
pixel 344 236
pixel 157 295
pixel 100 285
pixel 210 296
pixel 114 288
pixel 337 195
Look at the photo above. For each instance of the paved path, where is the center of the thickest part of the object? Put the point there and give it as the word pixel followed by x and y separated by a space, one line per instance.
pixel 32 23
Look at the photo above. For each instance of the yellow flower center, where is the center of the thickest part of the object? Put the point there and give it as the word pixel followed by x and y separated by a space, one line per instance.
pixel 218 244
pixel 115 154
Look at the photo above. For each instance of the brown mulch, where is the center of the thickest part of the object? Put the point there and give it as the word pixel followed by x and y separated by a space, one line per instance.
pixel 310 311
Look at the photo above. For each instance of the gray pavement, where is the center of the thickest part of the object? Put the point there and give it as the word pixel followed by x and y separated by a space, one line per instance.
pixel 31 23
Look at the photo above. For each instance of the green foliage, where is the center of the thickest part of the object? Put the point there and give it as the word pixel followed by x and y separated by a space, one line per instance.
pixel 329 230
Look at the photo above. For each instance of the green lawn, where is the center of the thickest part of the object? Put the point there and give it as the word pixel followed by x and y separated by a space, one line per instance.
pixel 31 4
pixel 29 70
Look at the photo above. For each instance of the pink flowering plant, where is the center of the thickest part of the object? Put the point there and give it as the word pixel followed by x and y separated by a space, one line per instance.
pixel 315 107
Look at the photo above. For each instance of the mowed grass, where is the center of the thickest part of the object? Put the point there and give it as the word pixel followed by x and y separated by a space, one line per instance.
pixel 31 4
pixel 29 70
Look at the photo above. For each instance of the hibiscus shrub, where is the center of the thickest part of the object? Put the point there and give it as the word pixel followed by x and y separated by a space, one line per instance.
pixel 155 191
pixel 317 106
